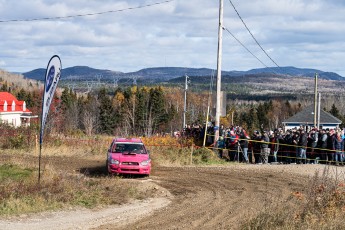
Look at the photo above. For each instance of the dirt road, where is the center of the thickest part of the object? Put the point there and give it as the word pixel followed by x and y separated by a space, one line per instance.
pixel 213 197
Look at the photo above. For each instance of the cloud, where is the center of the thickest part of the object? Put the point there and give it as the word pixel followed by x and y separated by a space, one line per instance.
pixel 180 33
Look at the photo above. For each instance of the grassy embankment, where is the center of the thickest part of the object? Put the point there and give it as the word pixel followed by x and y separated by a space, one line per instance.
pixel 320 206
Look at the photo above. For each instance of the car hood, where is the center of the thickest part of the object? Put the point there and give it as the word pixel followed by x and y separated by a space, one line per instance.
pixel 130 157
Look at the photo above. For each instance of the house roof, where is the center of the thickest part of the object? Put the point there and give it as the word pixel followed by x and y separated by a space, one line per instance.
pixel 307 116
pixel 9 98
pixel 5 96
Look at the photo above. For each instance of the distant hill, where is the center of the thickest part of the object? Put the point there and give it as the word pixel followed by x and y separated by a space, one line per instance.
pixel 163 74
pixel 293 71
pixel 84 72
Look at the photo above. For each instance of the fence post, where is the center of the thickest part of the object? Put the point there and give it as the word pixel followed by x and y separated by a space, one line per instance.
pixel 36 143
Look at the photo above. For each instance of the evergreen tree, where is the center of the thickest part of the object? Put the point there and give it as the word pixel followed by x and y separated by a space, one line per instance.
pixel 252 119
pixel 29 100
pixel 67 98
pixel 4 87
pixel 106 113
pixel 22 96
pixel 143 98
pixel 288 108
pixel 35 101
pixel 69 111
pixel 261 112
pixel 130 108
pixel 334 111
pixel 157 113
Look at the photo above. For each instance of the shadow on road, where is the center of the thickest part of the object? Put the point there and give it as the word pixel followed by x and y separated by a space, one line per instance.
pixel 101 171
pixel 95 171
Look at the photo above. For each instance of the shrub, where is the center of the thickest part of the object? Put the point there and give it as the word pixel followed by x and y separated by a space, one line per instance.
pixel 204 155
pixel 16 142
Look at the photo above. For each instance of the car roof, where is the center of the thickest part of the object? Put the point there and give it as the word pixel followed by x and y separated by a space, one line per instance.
pixel 128 140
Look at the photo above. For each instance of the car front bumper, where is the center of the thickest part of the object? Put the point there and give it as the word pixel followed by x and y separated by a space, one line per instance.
pixel 129 169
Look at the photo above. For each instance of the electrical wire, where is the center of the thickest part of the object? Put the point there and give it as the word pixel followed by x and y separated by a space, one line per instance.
pixel 252 34
pixel 88 14
pixel 245 47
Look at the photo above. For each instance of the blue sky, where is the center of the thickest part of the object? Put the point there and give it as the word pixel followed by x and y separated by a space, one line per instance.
pixel 301 33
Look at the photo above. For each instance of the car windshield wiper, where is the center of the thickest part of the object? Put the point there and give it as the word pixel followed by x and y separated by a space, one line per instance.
pixel 128 153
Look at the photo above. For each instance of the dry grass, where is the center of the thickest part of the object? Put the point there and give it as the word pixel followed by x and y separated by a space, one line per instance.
pixel 174 156
pixel 322 206
pixel 59 190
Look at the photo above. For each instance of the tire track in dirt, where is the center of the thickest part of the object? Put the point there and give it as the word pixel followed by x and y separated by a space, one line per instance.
pixel 214 197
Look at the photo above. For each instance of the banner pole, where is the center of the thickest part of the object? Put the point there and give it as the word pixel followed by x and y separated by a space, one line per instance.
pixel 40 155
pixel 39 164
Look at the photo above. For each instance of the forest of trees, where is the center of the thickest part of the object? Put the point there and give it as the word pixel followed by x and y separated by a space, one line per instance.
pixel 147 111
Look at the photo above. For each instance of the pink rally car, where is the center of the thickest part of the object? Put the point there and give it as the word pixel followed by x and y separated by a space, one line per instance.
pixel 128 156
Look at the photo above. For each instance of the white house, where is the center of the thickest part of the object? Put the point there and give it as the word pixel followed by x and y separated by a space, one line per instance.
pixel 14 112
pixel 305 118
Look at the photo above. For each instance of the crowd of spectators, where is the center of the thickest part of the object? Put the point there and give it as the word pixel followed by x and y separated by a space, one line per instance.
pixel 298 145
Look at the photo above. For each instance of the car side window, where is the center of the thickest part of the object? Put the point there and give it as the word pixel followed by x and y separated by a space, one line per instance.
pixel 111 148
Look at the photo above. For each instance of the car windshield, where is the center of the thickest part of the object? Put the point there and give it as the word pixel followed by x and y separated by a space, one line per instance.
pixel 129 148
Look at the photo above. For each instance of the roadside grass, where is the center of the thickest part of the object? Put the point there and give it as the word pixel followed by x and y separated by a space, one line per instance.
pixel 174 156
pixel 13 172
pixel 322 206
pixel 20 192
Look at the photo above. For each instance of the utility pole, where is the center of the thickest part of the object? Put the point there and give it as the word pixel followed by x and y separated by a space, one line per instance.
pixel 315 101
pixel 185 102
pixel 232 117
pixel 318 111
pixel 219 68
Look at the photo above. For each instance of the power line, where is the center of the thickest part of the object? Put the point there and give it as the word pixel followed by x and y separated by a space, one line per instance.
pixel 252 34
pixel 245 47
pixel 89 14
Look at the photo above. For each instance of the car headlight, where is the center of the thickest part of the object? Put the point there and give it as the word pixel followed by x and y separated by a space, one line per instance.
pixel 145 163
pixel 115 162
